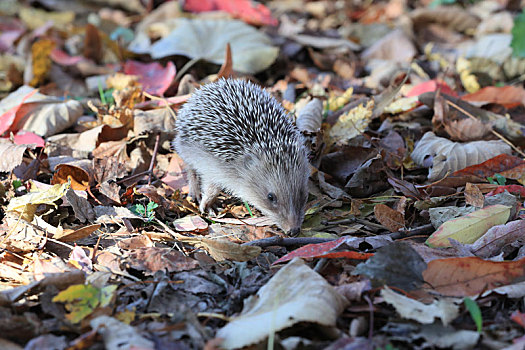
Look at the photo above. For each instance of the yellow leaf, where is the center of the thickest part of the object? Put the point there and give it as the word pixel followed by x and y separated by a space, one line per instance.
pixel 402 105
pixel 81 300
pixel 351 124
pixel 467 229
pixel 26 205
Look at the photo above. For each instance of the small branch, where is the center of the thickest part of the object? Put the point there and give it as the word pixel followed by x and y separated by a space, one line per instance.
pixel 287 241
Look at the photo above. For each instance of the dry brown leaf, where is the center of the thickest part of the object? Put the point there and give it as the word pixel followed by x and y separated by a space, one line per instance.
pixel 474 196
pixel 223 249
pixel 153 259
pixel 69 235
pixel 470 276
pixel 388 217
pixel 467 129
pixel 79 173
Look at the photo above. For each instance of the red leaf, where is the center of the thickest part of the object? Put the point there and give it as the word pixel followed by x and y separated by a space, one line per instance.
pixel 154 78
pixel 61 57
pixel 27 137
pixel 430 86
pixel 7 119
pixel 509 188
pixel 324 250
pixel 507 96
pixel 498 164
pixel 248 11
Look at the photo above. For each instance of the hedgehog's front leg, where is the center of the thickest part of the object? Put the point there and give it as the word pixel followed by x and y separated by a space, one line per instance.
pixel 210 191
pixel 194 185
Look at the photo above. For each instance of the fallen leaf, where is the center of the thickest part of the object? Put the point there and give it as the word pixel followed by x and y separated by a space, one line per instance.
pixel 445 309
pixel 154 78
pixel 206 39
pixel 500 239
pixel 247 10
pixel 291 296
pixel 339 248
pixel 469 228
pixel 397 265
pixel 508 96
pixel 82 300
pixel 25 206
pixel 444 156
pixel 470 276
pixel 434 85
pixel 388 217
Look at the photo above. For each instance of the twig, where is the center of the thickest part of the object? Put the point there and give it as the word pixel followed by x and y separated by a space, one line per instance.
pixel 287 241
pixel 412 232
pixel 153 157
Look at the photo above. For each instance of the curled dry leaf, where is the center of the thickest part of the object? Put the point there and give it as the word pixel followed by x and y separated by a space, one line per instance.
pixel 448 156
pixel 294 294
pixel 11 155
pixel 500 239
pixel 79 173
pixel 467 129
pixel 310 116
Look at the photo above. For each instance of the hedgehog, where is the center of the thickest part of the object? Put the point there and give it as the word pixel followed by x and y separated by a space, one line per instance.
pixel 236 137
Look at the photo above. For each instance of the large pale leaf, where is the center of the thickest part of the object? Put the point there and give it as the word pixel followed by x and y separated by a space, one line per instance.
pixel 295 294
pixel 206 39
pixel 469 228
pixel 444 156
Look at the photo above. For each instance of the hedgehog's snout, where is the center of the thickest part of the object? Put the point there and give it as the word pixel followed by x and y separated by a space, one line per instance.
pixel 294 231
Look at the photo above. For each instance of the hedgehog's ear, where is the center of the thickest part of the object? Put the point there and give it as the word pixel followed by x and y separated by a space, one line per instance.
pixel 248 161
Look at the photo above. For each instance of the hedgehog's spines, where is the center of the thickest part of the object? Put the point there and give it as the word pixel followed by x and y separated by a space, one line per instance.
pixel 244 116
pixel 237 136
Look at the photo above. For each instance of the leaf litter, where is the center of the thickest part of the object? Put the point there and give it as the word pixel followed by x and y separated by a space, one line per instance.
pixel 413 235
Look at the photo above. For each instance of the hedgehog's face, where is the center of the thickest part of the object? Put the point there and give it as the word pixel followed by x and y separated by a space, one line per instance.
pixel 279 194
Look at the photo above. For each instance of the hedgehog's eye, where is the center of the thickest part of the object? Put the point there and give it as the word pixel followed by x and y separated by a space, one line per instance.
pixel 272 198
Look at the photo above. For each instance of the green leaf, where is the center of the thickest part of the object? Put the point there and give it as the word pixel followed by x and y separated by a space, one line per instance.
pixel 16 184
pixel 151 206
pixel 475 312
pixel 500 179
pixel 518 36
pixel 138 209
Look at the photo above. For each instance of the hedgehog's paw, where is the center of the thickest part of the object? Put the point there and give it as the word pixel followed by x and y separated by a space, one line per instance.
pixel 209 194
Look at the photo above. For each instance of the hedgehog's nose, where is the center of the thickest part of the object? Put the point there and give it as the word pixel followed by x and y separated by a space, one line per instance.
pixel 295 231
